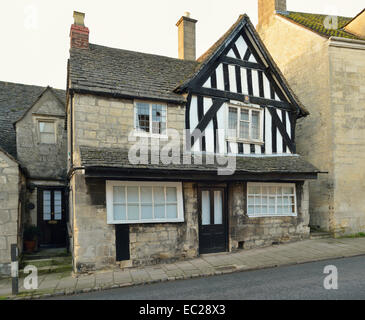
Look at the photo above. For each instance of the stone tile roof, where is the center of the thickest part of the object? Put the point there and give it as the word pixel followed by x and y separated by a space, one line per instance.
pixel 315 22
pixel 120 72
pixel 15 100
pixel 118 158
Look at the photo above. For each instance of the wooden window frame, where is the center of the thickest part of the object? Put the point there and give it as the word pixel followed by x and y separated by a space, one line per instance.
pixel 110 201
pixel 141 133
pixel 257 184
pixel 250 108
pixel 43 120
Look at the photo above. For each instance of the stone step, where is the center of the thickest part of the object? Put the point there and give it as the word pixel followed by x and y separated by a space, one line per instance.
pixel 320 235
pixel 55 261
pixel 50 269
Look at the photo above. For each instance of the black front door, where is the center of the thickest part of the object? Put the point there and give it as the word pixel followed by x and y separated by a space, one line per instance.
pixel 212 220
pixel 52 217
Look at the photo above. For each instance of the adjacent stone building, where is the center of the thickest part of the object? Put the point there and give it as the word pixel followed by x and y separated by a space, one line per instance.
pixel 323 59
pixel 245 185
pixel 33 158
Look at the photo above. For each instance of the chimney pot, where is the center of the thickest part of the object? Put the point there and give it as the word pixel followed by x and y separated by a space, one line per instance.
pixel 79 18
pixel 187 37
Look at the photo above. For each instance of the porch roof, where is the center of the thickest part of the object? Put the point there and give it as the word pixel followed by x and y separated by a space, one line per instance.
pixel 115 163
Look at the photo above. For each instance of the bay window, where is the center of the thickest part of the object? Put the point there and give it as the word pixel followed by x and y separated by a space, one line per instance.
pixel 270 199
pixel 144 202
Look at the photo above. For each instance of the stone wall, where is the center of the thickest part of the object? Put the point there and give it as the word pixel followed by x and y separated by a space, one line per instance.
pixel 94 239
pixel 107 122
pixel 347 78
pixel 155 243
pixel 298 51
pixel 9 209
pixel 247 233
pixel 331 86
pixel 43 160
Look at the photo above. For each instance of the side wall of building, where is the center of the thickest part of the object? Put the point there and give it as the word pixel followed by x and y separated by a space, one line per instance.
pixel 45 163
pixel 10 215
pixel 347 78
pixel 303 58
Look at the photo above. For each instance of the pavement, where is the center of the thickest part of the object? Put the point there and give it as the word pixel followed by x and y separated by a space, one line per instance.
pixel 305 281
pixel 56 284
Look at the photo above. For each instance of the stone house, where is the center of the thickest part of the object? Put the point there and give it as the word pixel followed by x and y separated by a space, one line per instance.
pixel 33 158
pixel 323 59
pixel 172 158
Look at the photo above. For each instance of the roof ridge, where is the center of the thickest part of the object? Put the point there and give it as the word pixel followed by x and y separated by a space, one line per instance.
pixel 312 13
pixel 144 53
pixel 30 85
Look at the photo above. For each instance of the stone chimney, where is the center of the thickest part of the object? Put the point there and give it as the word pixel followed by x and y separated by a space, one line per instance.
pixel 79 34
pixel 187 38
pixel 267 9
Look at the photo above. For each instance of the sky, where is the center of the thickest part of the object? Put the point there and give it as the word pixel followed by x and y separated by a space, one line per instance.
pixel 34 45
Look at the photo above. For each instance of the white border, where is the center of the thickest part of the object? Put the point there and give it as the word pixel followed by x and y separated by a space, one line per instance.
pixel 109 201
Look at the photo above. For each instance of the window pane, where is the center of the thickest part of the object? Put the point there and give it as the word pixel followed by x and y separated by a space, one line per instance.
pixel 171 211
pixel 159 211
pixel 119 212
pixel 255 125
pixel 232 122
pixel 244 115
pixel 48 138
pixel 288 190
pixel 158 118
pixel 133 212
pixel 159 195
pixel 119 194
pixel 133 195
pixel 146 211
pixel 244 130
pixel 171 195
pixel 47 127
pixel 146 195
pixel 206 208
pixel 254 190
pixel 143 116
pixel 57 205
pixel 218 209
pixel 46 205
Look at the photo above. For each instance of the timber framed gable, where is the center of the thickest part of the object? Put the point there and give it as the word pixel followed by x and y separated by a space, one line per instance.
pixel 239 69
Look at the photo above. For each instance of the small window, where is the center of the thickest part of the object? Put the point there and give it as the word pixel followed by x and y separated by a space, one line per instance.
pixel 144 202
pixel 150 118
pixel 269 199
pixel 244 124
pixel 47 132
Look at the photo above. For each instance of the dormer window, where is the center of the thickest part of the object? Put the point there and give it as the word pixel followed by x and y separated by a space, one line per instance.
pixel 150 117
pixel 244 124
pixel 47 132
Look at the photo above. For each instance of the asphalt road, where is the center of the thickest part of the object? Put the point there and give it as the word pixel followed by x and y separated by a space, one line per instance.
pixel 305 281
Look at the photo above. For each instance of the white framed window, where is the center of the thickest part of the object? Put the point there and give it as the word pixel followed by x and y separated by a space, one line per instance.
pixel 144 202
pixel 245 123
pixel 150 118
pixel 271 199
pixel 47 132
